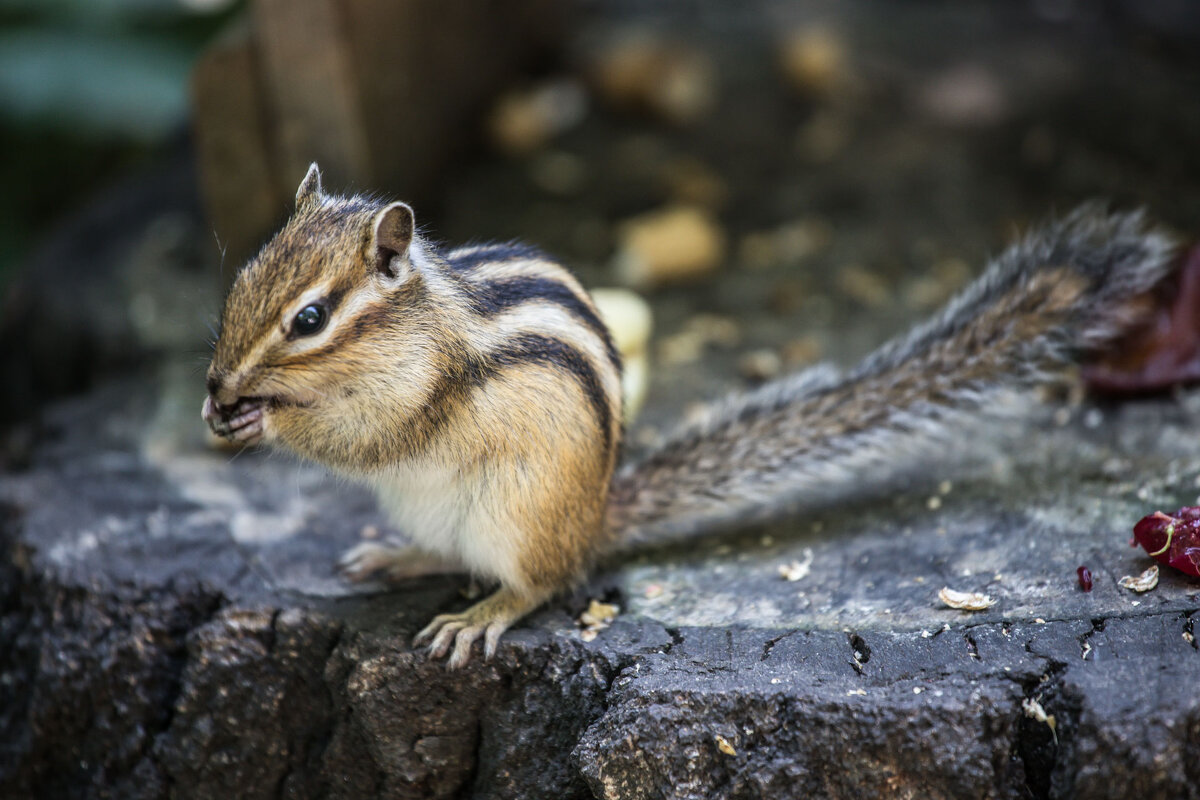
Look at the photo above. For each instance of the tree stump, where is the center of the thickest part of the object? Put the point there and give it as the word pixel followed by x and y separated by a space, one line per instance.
pixel 171 624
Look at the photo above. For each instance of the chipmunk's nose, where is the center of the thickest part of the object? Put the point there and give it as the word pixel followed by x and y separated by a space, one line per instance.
pixel 220 390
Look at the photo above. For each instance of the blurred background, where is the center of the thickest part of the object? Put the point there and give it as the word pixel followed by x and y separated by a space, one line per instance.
pixel 89 90
pixel 785 182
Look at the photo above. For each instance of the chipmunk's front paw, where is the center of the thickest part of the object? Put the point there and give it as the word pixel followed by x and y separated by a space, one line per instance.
pixel 365 561
pixel 488 618
pixel 371 560
pixel 241 423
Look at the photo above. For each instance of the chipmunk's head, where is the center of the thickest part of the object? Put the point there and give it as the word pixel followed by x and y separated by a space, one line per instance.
pixel 308 319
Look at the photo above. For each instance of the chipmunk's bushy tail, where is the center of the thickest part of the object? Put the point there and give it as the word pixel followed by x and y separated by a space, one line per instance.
pixel 1049 300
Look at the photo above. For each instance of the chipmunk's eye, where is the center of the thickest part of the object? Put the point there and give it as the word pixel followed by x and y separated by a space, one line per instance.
pixel 310 320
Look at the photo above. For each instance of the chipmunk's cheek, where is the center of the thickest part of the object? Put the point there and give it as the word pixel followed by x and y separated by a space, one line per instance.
pixel 282 423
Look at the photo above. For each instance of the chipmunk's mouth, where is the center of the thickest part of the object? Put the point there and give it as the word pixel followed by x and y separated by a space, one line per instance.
pixel 243 421
pixel 240 422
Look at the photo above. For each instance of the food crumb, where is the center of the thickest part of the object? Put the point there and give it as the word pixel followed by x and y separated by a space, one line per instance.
pixel 797 570
pixel 599 614
pixel 724 746
pixel 965 601
pixel 596 618
pixel 1142 583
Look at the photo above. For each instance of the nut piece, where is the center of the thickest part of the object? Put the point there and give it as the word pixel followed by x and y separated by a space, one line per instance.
pixel 672 245
pixel 630 321
pixel 1142 583
pixel 597 617
pixel 965 601
pixel 627 316
pixel 724 746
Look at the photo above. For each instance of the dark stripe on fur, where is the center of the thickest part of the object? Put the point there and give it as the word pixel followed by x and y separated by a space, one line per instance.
pixel 451 391
pixel 465 372
pixel 491 298
pixel 490 253
pixel 536 349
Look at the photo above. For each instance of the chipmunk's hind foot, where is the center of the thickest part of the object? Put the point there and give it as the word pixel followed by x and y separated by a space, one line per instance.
pixel 489 618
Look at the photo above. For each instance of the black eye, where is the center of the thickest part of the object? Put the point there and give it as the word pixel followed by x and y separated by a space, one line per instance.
pixel 310 320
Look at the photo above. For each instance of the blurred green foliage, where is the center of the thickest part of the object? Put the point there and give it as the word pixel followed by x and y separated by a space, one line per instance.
pixel 88 88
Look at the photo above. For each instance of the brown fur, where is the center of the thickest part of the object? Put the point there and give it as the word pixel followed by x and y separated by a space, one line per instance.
pixel 423 369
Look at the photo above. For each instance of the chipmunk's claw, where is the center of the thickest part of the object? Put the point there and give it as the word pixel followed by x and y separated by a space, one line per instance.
pixel 489 618
pixel 464 636
pixel 457 630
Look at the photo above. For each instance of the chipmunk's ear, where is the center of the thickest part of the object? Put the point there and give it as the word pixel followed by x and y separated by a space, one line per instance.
pixel 392 234
pixel 309 191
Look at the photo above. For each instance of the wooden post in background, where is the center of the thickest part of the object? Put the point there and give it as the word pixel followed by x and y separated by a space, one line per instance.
pixel 237 178
pixel 313 98
pixel 382 93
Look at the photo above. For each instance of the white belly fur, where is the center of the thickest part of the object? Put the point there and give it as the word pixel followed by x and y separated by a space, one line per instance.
pixel 447 512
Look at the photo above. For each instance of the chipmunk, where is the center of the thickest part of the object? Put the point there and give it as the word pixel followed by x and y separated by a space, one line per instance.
pixel 477 390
